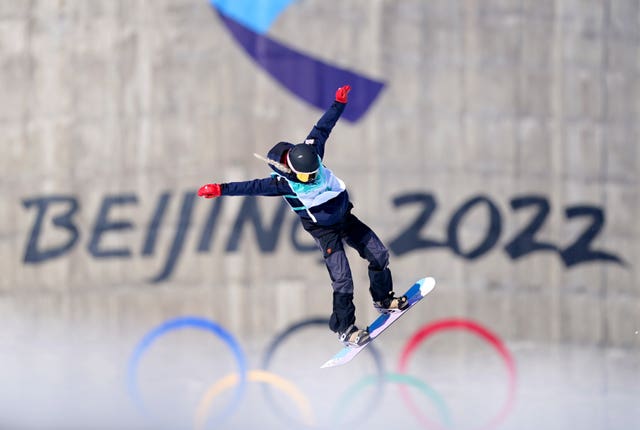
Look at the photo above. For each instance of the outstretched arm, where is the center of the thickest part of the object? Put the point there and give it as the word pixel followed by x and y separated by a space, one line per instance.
pixel 320 132
pixel 271 186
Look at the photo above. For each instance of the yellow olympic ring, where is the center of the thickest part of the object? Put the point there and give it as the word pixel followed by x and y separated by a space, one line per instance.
pixel 253 376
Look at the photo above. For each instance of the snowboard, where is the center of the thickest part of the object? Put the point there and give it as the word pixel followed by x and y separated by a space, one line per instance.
pixel 414 294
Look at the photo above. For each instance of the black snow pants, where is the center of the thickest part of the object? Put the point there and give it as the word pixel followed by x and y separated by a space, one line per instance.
pixel 360 237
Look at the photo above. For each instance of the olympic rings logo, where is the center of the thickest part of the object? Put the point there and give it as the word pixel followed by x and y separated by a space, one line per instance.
pixel 238 381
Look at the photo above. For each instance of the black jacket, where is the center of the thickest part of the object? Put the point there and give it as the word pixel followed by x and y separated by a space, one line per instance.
pixel 328 211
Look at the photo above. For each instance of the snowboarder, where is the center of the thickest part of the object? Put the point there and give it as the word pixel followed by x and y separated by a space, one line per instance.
pixel 321 201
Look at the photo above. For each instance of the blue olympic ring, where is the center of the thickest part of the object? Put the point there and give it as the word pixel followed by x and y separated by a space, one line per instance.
pixel 281 337
pixel 181 323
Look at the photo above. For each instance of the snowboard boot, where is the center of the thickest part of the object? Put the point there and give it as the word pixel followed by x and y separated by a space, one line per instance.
pixel 352 336
pixel 391 304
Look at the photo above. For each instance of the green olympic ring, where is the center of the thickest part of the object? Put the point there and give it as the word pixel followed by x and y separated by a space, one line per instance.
pixel 398 378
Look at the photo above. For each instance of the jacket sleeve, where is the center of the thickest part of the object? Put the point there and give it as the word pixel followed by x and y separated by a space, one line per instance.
pixel 272 186
pixel 320 132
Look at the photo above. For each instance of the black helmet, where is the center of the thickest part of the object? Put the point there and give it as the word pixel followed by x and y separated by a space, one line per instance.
pixel 304 161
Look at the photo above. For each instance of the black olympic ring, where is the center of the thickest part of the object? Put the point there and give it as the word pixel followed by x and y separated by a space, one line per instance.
pixel 277 342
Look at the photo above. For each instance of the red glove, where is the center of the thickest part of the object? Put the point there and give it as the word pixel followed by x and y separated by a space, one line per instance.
pixel 341 94
pixel 210 191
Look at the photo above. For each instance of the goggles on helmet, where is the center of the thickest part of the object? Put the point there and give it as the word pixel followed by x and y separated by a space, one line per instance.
pixel 306 177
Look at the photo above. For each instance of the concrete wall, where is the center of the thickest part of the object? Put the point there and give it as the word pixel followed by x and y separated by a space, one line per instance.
pixel 113 109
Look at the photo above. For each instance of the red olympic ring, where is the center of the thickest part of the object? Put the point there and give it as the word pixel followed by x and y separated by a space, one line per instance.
pixel 453 324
